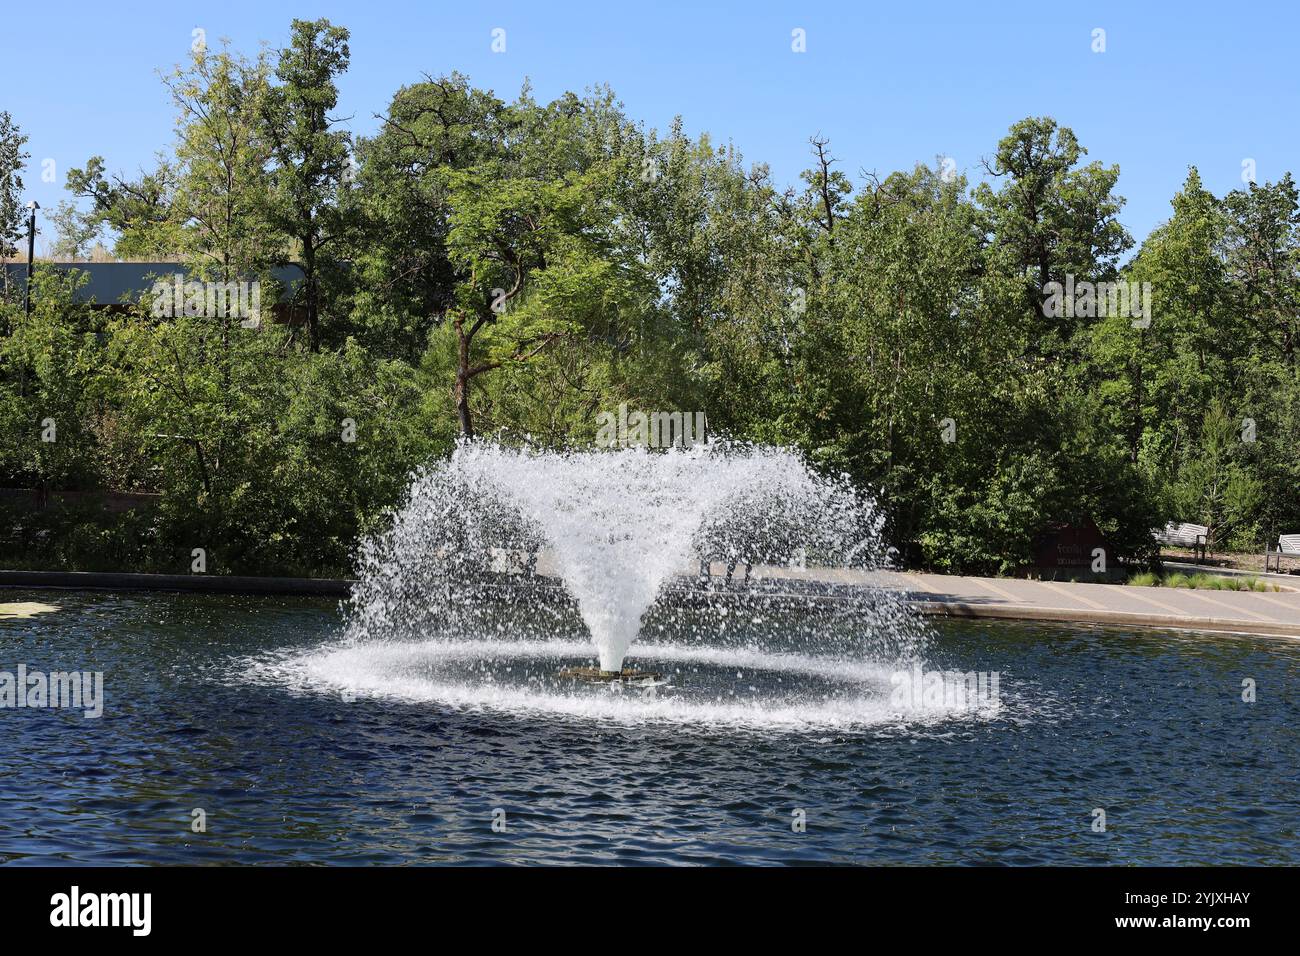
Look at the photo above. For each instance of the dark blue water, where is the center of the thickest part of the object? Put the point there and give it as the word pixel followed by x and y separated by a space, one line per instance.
pixel 1149 726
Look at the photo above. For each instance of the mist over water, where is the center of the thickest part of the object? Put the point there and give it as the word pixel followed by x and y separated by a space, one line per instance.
pixel 507 564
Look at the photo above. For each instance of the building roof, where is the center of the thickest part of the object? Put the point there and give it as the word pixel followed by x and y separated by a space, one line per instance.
pixel 114 282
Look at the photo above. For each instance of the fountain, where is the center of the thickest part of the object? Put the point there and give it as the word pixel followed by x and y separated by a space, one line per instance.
pixel 504 564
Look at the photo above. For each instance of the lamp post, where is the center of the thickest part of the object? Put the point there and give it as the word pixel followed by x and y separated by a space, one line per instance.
pixel 31 255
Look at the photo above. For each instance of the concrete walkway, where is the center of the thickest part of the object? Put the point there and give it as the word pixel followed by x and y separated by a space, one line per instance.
pixel 1275 613
pixel 210 583
pixel 1245 612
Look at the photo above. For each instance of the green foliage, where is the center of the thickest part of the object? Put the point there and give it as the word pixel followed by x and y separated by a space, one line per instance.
pixel 12 157
pixel 76 233
pixel 223 196
pixel 139 212
pixel 1203 582
pixel 509 268
pixel 309 156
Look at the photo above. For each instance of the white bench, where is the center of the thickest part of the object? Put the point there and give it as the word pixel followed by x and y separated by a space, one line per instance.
pixel 1288 545
pixel 512 561
pixel 1184 535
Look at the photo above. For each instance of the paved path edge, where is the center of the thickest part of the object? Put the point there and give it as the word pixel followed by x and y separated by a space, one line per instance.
pixel 1090 616
pixel 341 587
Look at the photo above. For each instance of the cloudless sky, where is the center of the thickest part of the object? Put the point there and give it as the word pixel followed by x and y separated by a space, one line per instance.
pixel 891 84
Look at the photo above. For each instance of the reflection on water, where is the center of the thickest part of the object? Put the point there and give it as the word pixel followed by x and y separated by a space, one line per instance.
pixel 301 749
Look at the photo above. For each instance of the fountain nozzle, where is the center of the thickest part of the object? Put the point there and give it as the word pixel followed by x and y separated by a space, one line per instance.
pixel 594 675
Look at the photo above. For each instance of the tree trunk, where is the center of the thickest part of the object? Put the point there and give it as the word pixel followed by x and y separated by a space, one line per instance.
pixel 309 287
pixel 462 379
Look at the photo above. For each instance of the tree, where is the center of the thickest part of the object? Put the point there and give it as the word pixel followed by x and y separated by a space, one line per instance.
pixel 1216 483
pixel 729 254
pixel 12 162
pixel 310 156
pixel 1189 353
pixel 48 418
pixel 496 227
pixel 75 232
pixel 222 152
pixel 141 211
pixel 897 346
pixel 530 238
pixel 1051 218
pixel 405 278
pixel 827 188
pixel 1262 259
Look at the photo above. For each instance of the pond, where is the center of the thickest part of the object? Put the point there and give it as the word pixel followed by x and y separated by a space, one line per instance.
pixel 248 730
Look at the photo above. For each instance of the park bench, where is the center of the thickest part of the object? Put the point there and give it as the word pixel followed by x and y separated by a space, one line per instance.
pixel 1288 545
pixel 1185 535
pixel 735 559
pixel 513 561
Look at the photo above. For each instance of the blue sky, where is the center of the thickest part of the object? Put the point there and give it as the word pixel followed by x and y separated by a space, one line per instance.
pixel 1179 84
